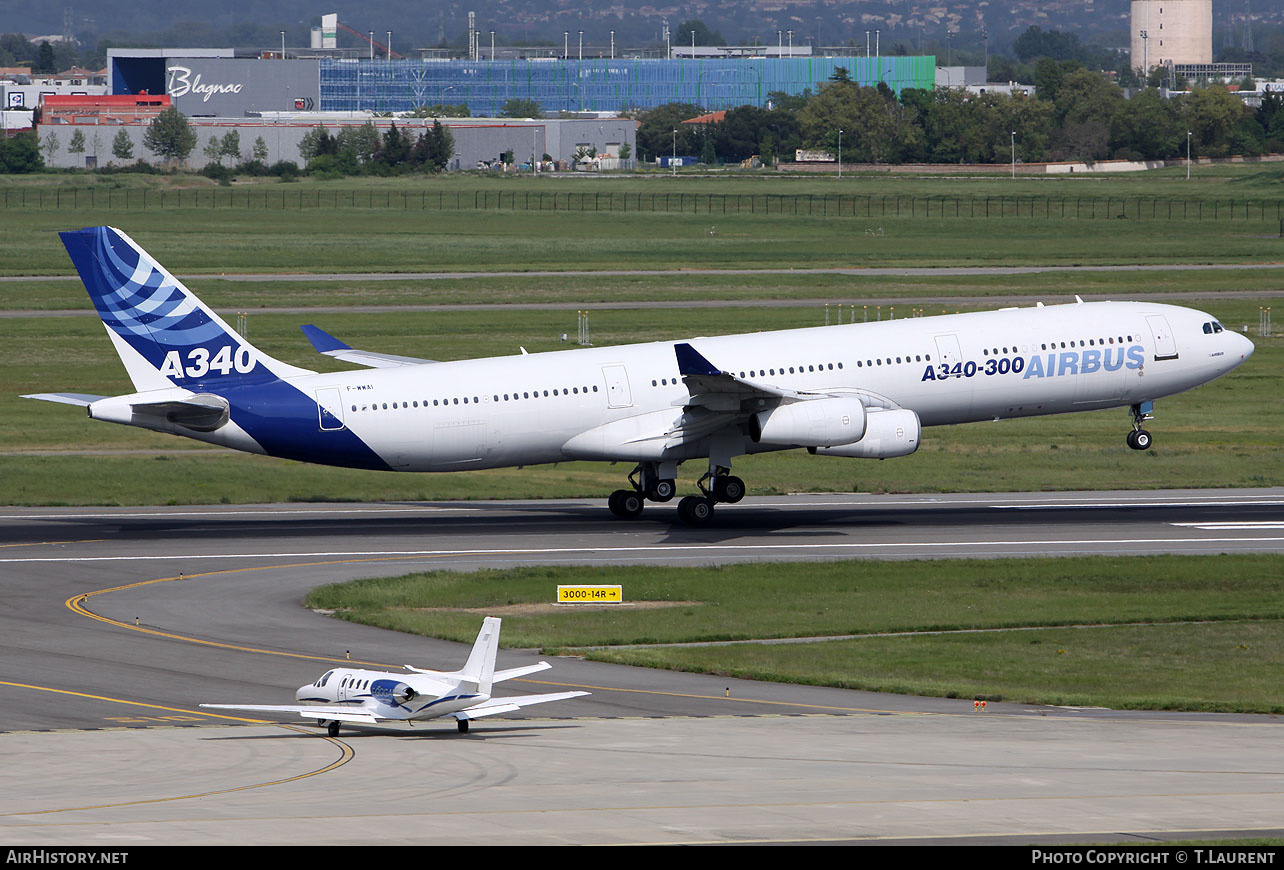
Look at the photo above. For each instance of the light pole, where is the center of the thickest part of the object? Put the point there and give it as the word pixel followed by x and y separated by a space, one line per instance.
pixel 1145 53
pixel 282 45
pixel 566 44
pixel 612 45
pixel 1188 155
pixel 1014 154
pixel 985 38
pixel 492 45
pixel 840 153
pixel 949 48
pixel 581 45
pixel 673 162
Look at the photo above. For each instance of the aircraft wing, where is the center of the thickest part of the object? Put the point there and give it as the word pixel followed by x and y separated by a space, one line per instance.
pixel 716 390
pixel 496 706
pixel 328 345
pixel 307 711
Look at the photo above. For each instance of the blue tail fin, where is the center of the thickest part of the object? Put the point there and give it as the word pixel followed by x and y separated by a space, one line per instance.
pixel 163 333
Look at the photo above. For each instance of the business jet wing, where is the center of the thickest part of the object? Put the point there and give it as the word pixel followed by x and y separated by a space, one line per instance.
pixel 495 706
pixel 328 345
pixel 307 711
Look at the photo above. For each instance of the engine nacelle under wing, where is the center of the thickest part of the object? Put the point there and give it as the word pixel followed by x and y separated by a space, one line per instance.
pixel 887 434
pixel 819 422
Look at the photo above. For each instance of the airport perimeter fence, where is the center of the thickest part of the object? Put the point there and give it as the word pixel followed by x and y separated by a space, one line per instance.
pixel 836 205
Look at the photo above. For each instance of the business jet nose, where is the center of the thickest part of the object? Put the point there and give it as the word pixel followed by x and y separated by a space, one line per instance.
pixel 303 691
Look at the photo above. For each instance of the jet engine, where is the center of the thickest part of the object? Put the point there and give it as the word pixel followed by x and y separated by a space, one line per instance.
pixel 887 434
pixel 818 422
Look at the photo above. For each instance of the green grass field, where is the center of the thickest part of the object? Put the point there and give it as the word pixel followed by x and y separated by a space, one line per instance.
pixel 1225 434
pixel 1163 632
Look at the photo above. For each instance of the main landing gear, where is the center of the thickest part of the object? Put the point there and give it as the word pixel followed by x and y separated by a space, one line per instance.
pixel 654 481
pixel 1139 438
pixel 333 728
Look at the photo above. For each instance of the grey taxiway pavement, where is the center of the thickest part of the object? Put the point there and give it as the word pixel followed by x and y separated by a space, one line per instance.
pixel 115 623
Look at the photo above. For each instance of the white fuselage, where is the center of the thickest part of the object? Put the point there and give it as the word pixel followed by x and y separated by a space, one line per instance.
pixel 524 409
pixel 390 695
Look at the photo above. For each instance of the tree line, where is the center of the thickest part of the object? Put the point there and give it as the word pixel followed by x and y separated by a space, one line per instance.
pixel 1075 114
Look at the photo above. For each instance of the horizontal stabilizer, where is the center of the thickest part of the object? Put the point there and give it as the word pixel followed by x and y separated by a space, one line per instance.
pixel 478 712
pixel 513 673
pixel 496 706
pixel 84 400
pixel 328 345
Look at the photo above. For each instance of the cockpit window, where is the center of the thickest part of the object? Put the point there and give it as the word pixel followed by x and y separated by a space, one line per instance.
pixel 324 678
pixel 1212 327
pixel 1217 327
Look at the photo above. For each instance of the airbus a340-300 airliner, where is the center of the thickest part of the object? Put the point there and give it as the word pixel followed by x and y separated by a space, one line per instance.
pixel 861 390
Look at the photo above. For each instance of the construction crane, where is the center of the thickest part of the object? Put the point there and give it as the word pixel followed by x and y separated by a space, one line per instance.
pixel 378 46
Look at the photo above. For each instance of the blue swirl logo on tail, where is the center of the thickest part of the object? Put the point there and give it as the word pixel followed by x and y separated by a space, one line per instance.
pixel 155 314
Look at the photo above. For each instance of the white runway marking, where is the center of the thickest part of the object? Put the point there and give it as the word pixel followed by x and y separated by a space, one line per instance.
pixel 1250 525
pixel 652 549
pixel 270 512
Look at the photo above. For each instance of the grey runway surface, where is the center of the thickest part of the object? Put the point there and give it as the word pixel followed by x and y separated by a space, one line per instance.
pixel 99 715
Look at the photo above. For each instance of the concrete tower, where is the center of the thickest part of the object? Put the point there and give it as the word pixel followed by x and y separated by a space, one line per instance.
pixel 1177 31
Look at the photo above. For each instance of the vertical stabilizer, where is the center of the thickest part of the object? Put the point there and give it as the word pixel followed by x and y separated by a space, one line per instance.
pixel 164 334
pixel 480 668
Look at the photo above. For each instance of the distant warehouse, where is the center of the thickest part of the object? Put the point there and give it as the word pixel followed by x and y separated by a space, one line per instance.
pixel 224 82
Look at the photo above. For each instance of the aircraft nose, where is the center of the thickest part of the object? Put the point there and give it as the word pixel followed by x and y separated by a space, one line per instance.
pixel 1245 348
pixel 302 691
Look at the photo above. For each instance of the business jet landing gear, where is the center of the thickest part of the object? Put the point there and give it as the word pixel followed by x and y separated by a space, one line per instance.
pixel 333 728
pixel 1139 438
pixel 652 481
pixel 462 725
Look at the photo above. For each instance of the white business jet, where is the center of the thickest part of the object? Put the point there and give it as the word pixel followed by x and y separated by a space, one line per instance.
pixel 861 390
pixel 369 697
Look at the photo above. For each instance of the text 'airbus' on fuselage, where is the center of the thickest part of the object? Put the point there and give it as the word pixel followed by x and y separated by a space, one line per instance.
pixel 859 390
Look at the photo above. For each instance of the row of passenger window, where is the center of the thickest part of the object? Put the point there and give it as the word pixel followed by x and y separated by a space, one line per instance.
pixel 476 400
pixel 1092 342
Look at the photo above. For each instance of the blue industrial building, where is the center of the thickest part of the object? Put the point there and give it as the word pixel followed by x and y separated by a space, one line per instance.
pixel 598 84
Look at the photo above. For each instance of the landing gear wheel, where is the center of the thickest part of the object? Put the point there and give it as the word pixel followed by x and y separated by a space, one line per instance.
pixel 626 504
pixel 1139 440
pixel 728 489
pixel 662 490
pixel 333 728
pixel 695 510
pixel 462 724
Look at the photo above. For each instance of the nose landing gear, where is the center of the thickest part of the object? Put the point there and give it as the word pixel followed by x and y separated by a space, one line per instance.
pixel 1139 438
